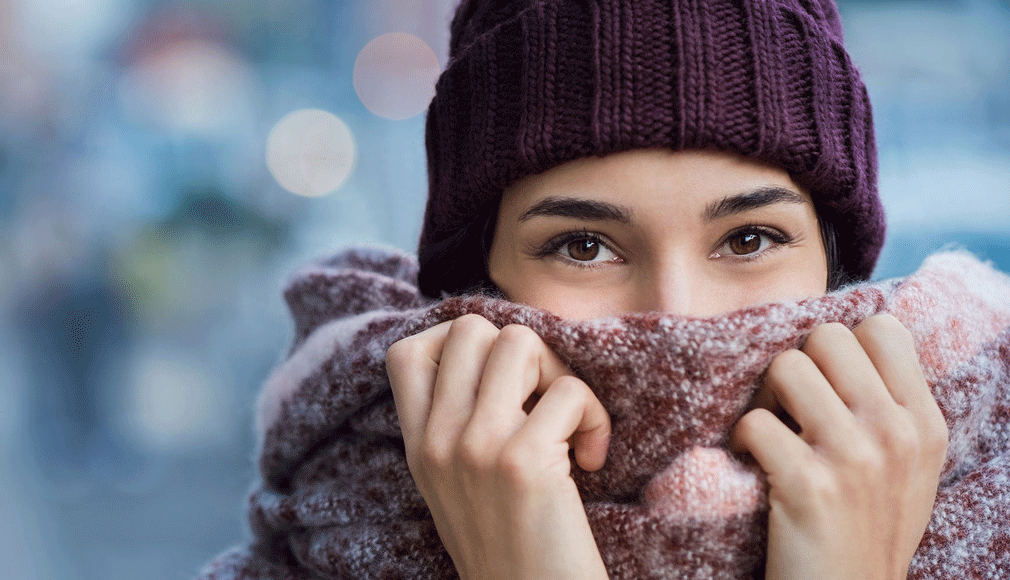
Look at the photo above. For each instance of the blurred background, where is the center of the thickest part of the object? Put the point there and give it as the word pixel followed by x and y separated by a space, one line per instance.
pixel 165 163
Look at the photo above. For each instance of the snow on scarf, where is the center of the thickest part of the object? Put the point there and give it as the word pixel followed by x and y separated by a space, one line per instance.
pixel 336 499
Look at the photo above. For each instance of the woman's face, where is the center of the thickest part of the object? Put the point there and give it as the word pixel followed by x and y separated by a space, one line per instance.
pixel 695 233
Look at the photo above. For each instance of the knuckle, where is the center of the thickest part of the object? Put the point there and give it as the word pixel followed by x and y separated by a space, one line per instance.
pixel 518 335
pixel 436 454
pixel 886 320
pixel 828 332
pixel 826 338
pixel 820 487
pixel 902 440
pixel 885 326
pixel 866 459
pixel 477 448
pixel 403 352
pixel 471 324
pixel 825 489
pixel 522 341
pixel 784 363
pixel 515 466
pixel 815 484
pixel 753 422
pixel 571 389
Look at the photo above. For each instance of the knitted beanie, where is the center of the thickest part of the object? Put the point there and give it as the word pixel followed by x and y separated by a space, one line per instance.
pixel 532 84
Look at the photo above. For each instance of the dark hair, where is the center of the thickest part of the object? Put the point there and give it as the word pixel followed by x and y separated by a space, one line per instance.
pixel 837 276
pixel 457 265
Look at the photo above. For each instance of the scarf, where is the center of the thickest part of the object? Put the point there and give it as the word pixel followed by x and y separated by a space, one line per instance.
pixel 336 500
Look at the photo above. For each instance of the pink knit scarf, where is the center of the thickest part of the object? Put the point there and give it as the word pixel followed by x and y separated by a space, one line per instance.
pixel 336 499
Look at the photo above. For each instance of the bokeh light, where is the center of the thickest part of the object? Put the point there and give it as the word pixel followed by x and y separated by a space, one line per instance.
pixel 395 75
pixel 192 86
pixel 68 28
pixel 310 152
pixel 174 403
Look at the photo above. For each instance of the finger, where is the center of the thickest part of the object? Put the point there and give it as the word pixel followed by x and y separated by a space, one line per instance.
pixel 891 350
pixel 412 366
pixel 519 365
pixel 464 355
pixel 765 398
pixel 569 410
pixel 772 444
pixel 844 363
pixel 807 396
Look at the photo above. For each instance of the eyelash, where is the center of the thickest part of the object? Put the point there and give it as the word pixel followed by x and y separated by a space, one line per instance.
pixel 779 239
pixel 553 246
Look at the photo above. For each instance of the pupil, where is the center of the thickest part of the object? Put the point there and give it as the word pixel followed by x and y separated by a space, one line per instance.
pixel 583 250
pixel 746 243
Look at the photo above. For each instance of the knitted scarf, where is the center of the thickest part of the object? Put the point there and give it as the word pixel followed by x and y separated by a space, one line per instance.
pixel 336 500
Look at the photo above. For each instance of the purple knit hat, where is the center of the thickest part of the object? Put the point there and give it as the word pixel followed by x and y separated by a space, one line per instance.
pixel 532 84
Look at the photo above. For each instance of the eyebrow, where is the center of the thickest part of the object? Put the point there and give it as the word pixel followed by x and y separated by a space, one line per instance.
pixel 761 197
pixel 582 209
pixel 591 210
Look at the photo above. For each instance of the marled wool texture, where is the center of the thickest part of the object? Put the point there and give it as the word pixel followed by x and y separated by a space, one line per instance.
pixel 336 499
pixel 531 84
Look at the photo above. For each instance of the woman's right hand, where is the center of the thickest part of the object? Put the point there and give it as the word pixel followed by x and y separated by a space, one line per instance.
pixel 495 472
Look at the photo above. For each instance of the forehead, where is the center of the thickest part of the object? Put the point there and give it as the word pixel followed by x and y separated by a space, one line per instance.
pixel 651 180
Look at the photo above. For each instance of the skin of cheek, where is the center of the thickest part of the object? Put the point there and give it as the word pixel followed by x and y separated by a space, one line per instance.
pixel 578 303
pixel 805 279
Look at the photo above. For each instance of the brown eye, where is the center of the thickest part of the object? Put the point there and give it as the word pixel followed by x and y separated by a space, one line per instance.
pixel 751 242
pixel 583 250
pixel 745 243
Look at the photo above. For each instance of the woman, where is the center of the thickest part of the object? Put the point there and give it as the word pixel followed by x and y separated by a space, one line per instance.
pixel 692 233
pixel 628 175
pixel 667 224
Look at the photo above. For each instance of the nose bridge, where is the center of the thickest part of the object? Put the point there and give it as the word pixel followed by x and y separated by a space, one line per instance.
pixel 673 287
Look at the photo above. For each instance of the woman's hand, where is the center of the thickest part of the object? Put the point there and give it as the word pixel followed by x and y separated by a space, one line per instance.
pixel 852 492
pixel 495 472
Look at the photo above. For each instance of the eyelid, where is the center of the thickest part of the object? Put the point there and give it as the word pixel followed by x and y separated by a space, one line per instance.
pixel 552 247
pixel 778 237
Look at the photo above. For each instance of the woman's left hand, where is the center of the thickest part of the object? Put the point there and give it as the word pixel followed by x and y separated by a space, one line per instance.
pixel 850 494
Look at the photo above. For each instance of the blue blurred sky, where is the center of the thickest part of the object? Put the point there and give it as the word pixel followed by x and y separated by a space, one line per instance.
pixel 145 233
